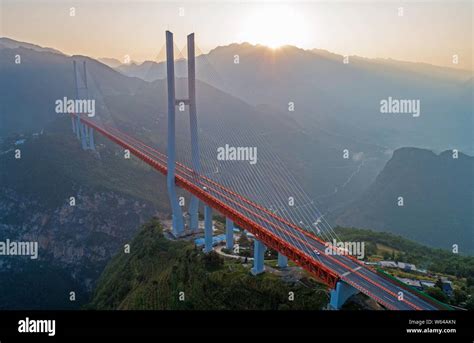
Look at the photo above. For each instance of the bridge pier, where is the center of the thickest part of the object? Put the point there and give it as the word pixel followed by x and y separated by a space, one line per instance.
pixel 91 139
pixel 258 257
pixel 207 229
pixel 282 261
pixel 229 234
pixel 193 214
pixel 84 136
pixel 78 128
pixel 340 295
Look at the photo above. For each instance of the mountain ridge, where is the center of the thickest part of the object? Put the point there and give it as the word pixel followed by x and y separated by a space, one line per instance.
pixel 437 192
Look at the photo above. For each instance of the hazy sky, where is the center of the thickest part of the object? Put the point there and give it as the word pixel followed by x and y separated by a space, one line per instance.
pixel 427 31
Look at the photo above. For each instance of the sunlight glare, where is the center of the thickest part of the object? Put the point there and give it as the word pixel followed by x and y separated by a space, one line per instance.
pixel 275 26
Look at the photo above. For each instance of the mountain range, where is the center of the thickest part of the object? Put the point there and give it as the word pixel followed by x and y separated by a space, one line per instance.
pixel 336 108
pixel 343 99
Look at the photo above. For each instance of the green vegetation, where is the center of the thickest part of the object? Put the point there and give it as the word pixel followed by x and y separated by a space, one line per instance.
pixel 386 246
pixel 434 294
pixel 433 259
pixel 157 270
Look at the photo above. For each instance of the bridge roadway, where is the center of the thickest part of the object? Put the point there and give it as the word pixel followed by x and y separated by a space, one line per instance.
pixel 304 248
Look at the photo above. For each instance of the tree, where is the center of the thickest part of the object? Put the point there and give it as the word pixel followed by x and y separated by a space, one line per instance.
pixel 213 260
pixel 437 294
pixel 469 281
pixel 459 296
pixel 470 304
pixel 244 241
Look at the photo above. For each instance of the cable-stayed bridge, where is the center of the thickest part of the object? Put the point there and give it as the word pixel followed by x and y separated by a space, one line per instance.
pixel 297 233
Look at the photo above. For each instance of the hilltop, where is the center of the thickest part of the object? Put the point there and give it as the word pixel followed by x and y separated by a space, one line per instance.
pixel 152 276
pixel 156 270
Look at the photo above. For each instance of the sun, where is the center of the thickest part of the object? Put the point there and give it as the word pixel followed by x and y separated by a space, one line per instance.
pixel 274 25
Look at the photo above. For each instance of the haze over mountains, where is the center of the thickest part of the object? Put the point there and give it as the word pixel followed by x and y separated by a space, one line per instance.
pixel 140 107
pixel 341 98
pixel 337 107
pixel 438 199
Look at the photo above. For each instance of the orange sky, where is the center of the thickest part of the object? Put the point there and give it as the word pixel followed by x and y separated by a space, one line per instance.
pixel 427 31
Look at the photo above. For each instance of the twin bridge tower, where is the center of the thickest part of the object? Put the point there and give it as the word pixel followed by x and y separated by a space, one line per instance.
pixel 84 133
pixel 177 214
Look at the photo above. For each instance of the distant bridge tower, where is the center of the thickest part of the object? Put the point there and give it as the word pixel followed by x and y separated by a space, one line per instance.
pixel 84 134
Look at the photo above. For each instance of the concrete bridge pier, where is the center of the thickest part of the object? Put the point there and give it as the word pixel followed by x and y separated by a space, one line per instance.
pixel 282 261
pixel 258 257
pixel 91 139
pixel 193 214
pixel 229 234
pixel 207 229
pixel 84 136
pixel 340 295
pixel 78 128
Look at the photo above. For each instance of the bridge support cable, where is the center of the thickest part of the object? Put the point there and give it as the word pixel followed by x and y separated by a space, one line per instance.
pixel 282 261
pixel 239 183
pixel 340 294
pixel 207 229
pixel 250 184
pixel 302 242
pixel 177 214
pixel 305 217
pixel 258 257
